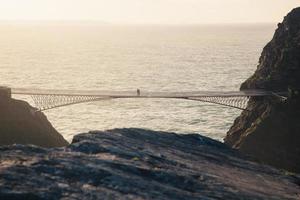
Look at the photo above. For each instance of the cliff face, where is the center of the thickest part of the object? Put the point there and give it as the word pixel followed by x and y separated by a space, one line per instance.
pixel 270 131
pixel 20 124
pixel 139 164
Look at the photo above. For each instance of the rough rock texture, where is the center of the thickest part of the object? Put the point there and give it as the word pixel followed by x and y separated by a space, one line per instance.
pixel 20 124
pixel 271 130
pixel 139 164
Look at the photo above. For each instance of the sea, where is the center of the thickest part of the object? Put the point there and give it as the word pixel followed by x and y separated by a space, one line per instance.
pixel 171 58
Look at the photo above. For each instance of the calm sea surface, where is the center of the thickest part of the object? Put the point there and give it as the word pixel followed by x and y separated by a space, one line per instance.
pixel 153 58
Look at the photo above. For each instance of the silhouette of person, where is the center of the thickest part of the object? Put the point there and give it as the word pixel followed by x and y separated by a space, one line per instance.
pixel 138 92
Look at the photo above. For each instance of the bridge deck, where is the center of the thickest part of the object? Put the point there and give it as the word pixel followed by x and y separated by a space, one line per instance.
pixel 49 99
pixel 145 94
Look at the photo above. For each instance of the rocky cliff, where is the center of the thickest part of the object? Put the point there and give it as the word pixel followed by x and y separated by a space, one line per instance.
pixel 139 164
pixel 20 124
pixel 270 130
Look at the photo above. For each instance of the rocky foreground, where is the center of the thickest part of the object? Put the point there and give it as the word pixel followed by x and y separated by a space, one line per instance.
pixel 139 164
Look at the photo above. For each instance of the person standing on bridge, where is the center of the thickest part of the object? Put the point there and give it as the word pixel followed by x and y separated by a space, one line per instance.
pixel 138 92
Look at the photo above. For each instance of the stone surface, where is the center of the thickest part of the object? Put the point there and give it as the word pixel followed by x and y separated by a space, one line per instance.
pixel 139 164
pixel 270 131
pixel 5 93
pixel 20 124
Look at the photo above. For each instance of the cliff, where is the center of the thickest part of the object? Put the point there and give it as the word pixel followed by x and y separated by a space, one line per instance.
pixel 139 164
pixel 20 124
pixel 269 131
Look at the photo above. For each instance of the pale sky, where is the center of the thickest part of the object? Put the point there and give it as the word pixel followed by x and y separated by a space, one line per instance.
pixel 149 11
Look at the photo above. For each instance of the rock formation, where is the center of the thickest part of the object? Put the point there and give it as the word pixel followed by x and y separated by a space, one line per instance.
pixel 139 164
pixel 270 130
pixel 20 124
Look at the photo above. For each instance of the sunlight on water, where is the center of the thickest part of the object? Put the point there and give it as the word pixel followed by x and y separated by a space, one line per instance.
pixel 153 58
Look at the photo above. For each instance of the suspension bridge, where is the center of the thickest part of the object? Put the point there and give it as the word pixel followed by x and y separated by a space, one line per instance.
pixel 45 99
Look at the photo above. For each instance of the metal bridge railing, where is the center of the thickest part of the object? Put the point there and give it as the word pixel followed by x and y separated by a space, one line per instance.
pixel 49 99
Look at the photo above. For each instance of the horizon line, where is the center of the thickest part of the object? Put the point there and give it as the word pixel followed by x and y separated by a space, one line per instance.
pixel 101 22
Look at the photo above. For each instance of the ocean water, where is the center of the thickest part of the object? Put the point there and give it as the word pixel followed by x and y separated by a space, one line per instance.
pixel 153 58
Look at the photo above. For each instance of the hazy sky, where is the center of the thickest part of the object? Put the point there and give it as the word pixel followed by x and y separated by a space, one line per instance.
pixel 149 11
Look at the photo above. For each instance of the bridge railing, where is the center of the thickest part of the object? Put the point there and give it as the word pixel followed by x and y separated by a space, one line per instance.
pixel 45 99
